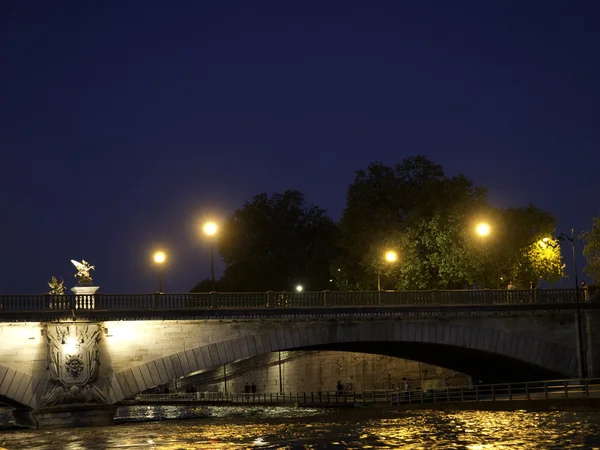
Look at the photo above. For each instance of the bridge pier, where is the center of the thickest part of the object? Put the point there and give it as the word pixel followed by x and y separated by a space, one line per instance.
pixel 71 393
pixel 65 417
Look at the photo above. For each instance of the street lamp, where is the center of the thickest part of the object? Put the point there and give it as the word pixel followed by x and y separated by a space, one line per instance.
pixel 210 229
pixel 159 259
pixel 483 230
pixel 571 239
pixel 390 256
pixel 299 288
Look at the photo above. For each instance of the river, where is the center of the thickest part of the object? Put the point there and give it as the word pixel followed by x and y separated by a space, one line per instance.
pixel 221 427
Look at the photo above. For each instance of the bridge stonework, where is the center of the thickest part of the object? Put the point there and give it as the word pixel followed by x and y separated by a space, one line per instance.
pixel 38 371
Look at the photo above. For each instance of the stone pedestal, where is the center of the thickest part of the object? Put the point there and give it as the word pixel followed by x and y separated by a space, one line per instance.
pixel 85 296
pixel 65 417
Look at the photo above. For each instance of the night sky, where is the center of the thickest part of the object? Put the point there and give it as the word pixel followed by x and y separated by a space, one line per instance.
pixel 124 123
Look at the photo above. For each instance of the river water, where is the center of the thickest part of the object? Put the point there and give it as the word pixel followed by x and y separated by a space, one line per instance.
pixel 287 427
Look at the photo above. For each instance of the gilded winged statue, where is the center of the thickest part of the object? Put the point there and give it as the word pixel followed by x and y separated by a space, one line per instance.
pixel 56 287
pixel 83 271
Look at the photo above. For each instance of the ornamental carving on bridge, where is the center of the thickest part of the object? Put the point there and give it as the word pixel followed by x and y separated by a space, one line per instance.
pixel 74 366
pixel 73 362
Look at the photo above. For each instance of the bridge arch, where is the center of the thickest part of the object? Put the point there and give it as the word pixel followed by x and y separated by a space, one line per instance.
pixel 20 390
pixel 476 351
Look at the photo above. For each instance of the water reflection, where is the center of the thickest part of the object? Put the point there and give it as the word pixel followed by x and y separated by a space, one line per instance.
pixel 282 427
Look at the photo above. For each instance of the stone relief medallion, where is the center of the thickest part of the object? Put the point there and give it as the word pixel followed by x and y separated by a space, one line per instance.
pixel 74 367
pixel 73 362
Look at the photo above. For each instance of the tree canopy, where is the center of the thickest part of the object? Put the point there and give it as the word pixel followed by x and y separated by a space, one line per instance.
pixel 429 219
pixel 277 242
pixel 391 207
pixel 591 250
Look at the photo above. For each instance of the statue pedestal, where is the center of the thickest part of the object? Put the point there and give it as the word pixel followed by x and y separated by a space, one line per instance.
pixel 84 296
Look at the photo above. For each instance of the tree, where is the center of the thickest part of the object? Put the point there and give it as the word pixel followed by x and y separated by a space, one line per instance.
pixel 429 219
pixel 391 206
pixel 524 250
pixel 591 250
pixel 274 243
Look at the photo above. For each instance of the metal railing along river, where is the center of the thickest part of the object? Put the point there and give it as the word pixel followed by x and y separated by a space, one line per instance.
pixel 327 397
pixel 223 300
pixel 534 390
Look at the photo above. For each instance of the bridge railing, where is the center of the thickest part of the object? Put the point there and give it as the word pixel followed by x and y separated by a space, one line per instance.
pixel 225 300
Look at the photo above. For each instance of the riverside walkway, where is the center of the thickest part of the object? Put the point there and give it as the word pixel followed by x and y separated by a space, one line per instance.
pixel 500 392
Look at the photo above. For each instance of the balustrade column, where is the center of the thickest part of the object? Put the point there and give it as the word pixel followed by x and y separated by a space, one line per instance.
pixel 156 300
pixel 487 298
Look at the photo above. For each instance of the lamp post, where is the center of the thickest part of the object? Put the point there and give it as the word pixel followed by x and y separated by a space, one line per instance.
pixel 483 229
pixel 390 256
pixel 159 259
pixel 210 229
pixel 562 237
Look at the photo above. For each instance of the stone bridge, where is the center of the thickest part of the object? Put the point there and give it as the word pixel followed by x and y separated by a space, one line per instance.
pixel 65 365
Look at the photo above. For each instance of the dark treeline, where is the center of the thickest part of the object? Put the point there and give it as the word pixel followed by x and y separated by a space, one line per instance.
pixel 413 209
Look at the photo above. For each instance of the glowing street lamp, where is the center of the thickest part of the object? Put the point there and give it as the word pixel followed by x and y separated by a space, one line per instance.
pixel 299 288
pixel 483 229
pixel 210 229
pixel 159 259
pixel 390 256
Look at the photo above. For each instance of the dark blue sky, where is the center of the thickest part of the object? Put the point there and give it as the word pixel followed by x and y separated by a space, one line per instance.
pixel 124 123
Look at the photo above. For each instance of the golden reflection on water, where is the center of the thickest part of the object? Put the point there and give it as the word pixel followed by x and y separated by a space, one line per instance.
pixel 268 428
pixel 478 430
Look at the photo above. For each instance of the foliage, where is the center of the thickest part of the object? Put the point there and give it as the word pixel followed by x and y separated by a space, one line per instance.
pixel 591 250
pixel 430 221
pixel 274 243
pixel 392 207
pixel 524 250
